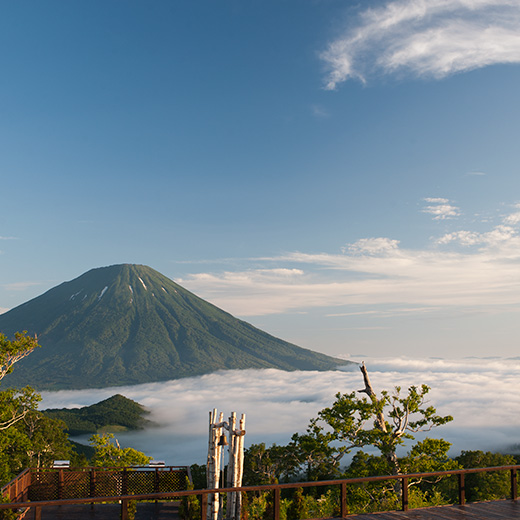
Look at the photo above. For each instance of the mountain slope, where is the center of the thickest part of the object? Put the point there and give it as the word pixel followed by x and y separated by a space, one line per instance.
pixel 128 324
pixel 117 413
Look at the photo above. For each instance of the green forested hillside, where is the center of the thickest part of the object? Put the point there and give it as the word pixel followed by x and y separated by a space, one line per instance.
pixel 128 324
pixel 113 414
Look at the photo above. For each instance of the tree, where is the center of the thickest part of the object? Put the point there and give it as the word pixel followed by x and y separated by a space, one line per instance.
pixel 110 454
pixel 383 422
pixel 13 351
pixel 315 452
pixel 15 404
pixel 27 437
pixel 34 442
pixel 47 440
pixel 268 465
pixel 495 485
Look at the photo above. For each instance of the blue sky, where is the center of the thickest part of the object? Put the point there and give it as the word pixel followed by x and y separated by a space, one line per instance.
pixel 341 174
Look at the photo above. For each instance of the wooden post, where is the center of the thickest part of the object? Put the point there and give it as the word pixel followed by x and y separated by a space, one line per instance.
pixel 210 467
pixel 215 466
pixel 124 483
pixel 231 473
pixel 204 506
pixel 343 500
pixel 37 513
pixel 124 509
pixel 240 464
pixel 404 492
pixel 219 479
pixel 60 484
pixel 462 490
pixel 276 504
pixel 514 485
pixel 92 473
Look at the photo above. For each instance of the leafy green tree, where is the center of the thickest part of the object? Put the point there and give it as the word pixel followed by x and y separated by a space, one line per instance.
pixel 198 476
pixel 370 496
pixel 47 440
pixel 15 404
pixel 383 422
pixel 428 455
pixel 264 465
pixel 108 453
pixel 189 508
pixel 315 452
pixel 296 509
pixel 27 437
pixel 36 441
pixel 495 485
pixel 12 351
pixel 21 445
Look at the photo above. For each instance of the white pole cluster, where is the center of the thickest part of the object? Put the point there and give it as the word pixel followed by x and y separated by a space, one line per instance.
pixel 215 465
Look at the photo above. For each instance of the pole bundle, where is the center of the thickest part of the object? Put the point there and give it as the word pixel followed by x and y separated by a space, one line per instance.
pixel 215 465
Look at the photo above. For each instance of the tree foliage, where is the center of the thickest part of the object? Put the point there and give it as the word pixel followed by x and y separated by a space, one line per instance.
pixel 108 453
pixel 15 404
pixel 268 465
pixel 27 437
pixel 383 422
pixel 495 485
pixel 12 351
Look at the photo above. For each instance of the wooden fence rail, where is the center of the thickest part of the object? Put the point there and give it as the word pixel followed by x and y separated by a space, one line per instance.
pixel 276 488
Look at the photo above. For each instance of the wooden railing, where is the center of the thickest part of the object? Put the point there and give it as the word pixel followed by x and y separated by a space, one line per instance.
pixel 58 484
pixel 277 488
pixel 18 489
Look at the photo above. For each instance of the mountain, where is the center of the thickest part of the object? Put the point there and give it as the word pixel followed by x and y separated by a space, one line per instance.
pixel 128 324
pixel 117 413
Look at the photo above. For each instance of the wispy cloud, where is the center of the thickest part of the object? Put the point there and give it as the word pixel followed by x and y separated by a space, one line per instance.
pixel 277 404
pixel 8 238
pixel 426 38
pixel 320 112
pixel 19 286
pixel 513 218
pixel 463 269
pixel 441 209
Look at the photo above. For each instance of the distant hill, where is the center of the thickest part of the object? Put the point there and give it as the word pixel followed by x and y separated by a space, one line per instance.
pixel 117 413
pixel 128 324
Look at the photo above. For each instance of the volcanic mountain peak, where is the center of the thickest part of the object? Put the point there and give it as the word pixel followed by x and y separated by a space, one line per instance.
pixel 128 324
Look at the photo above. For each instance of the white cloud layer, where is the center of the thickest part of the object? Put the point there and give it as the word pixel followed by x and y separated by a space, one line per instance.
pixel 427 38
pixel 478 393
pixel 460 270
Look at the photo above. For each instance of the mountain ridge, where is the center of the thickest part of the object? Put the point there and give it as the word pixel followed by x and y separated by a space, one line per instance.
pixel 128 324
pixel 117 413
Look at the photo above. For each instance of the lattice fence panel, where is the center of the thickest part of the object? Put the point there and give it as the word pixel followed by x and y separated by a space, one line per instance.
pixel 108 483
pixel 140 482
pixel 55 485
pixel 44 486
pixel 172 480
pixel 76 484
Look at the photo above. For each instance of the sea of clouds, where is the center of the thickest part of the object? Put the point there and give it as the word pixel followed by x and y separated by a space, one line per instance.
pixel 481 394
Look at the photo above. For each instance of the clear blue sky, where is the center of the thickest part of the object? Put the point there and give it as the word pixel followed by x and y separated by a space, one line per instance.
pixel 344 175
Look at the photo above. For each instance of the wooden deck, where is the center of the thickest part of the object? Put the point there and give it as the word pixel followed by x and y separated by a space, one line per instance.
pixel 496 510
pixel 147 511
pixel 499 509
